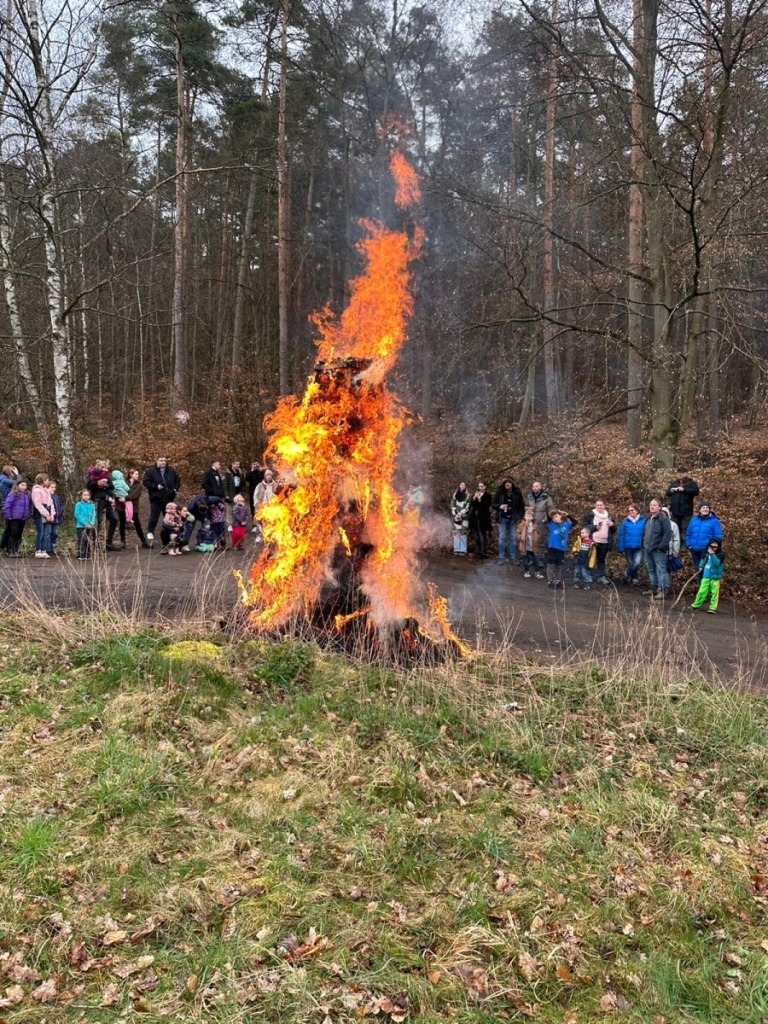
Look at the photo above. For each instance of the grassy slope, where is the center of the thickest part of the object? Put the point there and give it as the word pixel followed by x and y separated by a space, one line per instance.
pixel 273 835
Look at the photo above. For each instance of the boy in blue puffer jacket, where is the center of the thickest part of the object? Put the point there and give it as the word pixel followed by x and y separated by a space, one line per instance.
pixel 630 541
pixel 702 529
pixel 560 526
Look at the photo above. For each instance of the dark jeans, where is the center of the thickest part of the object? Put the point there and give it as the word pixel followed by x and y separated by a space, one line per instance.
pixel 156 513
pixel 120 510
pixel 656 564
pixel 602 552
pixel 42 534
pixel 581 574
pixel 682 525
pixel 698 557
pixel 507 541
pixel 530 561
pixel 104 508
pixel 86 537
pixel 170 538
pixel 481 542
pixel 14 529
pixel 634 557
pixel 219 532
pixel 137 525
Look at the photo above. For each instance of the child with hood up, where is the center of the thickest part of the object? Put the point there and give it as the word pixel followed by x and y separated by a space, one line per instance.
pixel 206 538
pixel 711 575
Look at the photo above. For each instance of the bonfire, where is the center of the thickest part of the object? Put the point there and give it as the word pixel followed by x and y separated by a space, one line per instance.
pixel 338 555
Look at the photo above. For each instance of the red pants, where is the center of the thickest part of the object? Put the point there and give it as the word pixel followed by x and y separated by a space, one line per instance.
pixel 238 536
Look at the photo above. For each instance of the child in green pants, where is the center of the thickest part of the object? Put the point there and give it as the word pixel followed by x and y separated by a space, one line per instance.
pixel 712 573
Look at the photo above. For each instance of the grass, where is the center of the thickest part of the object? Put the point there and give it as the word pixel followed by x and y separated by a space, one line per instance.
pixel 273 834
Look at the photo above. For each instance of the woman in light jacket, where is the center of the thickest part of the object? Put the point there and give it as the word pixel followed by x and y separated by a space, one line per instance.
pixel 460 516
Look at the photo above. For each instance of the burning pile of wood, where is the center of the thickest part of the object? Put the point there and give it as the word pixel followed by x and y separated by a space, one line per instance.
pixel 339 558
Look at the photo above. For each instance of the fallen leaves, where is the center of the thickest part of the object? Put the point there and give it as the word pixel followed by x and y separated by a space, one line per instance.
pixel 613 1001
pixel 110 996
pixel 296 952
pixel 529 965
pixel 14 995
pixel 505 883
pixel 45 992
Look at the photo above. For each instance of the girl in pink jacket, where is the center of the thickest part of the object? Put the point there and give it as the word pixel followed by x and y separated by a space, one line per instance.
pixel 42 509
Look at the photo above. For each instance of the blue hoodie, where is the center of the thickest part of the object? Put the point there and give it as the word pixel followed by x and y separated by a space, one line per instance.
pixel 631 534
pixel 701 530
pixel 558 533
pixel 6 483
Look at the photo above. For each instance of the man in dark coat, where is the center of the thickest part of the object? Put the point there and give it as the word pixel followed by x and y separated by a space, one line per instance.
pixel 212 481
pixel 509 507
pixel 162 483
pixel 657 533
pixel 681 493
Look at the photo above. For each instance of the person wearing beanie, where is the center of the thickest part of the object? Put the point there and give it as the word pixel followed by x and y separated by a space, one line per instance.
pixel 703 528
pixel 681 493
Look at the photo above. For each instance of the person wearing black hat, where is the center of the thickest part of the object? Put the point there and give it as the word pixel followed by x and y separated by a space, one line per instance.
pixel 681 493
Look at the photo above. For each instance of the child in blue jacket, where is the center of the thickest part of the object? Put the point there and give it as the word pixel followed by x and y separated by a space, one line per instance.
pixel 711 574
pixel 559 527
pixel 85 523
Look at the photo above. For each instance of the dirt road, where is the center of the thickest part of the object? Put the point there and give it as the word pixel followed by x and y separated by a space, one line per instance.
pixel 488 604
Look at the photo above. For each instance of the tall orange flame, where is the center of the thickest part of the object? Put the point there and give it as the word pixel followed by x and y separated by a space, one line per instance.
pixel 336 449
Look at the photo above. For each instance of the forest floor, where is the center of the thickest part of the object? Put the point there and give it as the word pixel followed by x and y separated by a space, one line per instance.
pixel 489 606
pixel 228 830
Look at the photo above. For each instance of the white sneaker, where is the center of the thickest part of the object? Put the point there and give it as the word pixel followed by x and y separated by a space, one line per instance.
pixel 255 529
pixel 229 528
pixel 185 548
pixel 150 537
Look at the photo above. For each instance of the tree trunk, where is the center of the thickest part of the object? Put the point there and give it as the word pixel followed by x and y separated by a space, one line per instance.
pixel 242 276
pixel 12 305
pixel 53 264
pixel 550 331
pixel 283 214
pixel 180 233
pixel 635 286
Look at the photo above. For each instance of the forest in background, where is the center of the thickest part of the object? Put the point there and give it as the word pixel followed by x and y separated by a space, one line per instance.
pixel 181 185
